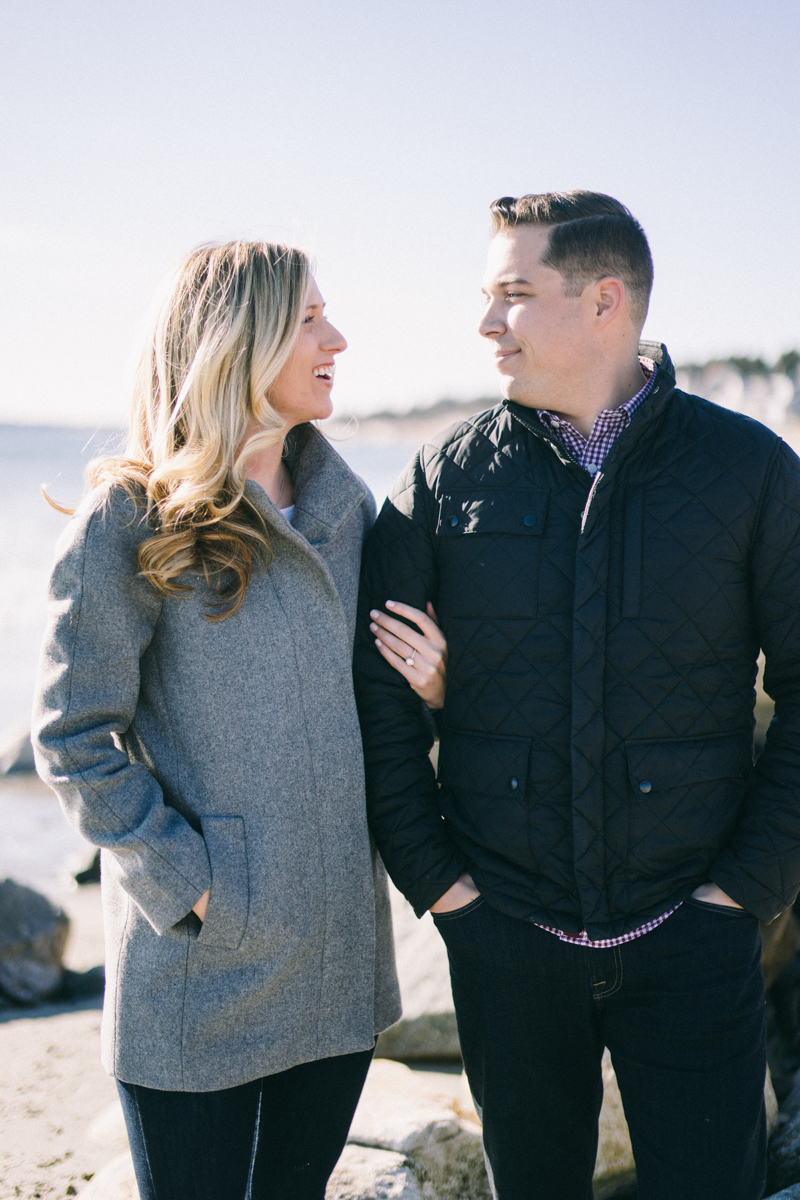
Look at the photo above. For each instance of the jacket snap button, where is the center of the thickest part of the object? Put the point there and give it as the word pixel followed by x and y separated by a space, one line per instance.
pixel 529 520
pixel 453 522
pixel 513 784
pixel 645 786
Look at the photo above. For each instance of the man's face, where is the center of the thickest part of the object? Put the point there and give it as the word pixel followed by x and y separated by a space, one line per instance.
pixel 539 334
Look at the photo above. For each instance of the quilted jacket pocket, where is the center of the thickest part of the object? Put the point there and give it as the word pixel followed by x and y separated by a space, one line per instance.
pixel 519 511
pixel 483 790
pixel 679 762
pixel 489 551
pixel 226 917
pixel 685 798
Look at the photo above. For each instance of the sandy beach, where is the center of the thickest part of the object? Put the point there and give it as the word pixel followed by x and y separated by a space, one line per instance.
pixel 52 1086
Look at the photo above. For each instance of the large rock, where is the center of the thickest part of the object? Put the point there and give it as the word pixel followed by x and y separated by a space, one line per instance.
pixel 784 1147
pixel 16 751
pixel 33 933
pixel 427 1028
pixel 363 1173
pixel 614 1166
pixel 779 940
pixel 400 1112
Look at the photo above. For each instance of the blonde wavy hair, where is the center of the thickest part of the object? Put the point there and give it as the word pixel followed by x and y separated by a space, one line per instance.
pixel 228 324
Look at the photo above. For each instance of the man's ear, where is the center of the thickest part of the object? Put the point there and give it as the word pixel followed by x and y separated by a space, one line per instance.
pixel 609 298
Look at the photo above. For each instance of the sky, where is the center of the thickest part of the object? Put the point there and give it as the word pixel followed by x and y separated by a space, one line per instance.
pixel 376 134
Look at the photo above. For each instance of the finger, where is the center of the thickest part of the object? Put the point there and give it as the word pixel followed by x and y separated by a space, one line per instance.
pixel 421 675
pixel 401 646
pixel 394 660
pixel 430 631
pixel 431 611
pixel 409 643
pixel 399 629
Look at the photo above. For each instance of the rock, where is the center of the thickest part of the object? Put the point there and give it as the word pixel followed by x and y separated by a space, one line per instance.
pixel 33 933
pixel 779 940
pixel 771 1104
pixel 117 1181
pixel 363 1173
pixel 400 1113
pixel 82 985
pixel 16 751
pixel 614 1166
pixel 427 1028
pixel 783 1167
pixel 90 874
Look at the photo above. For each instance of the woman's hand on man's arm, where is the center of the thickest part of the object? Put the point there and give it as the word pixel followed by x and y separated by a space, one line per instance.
pixel 421 658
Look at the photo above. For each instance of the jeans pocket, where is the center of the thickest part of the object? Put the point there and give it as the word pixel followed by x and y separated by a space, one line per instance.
pixel 226 917
pixel 458 912
pixel 726 909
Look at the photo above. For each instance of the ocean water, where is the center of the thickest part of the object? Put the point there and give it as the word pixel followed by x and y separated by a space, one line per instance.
pixel 31 456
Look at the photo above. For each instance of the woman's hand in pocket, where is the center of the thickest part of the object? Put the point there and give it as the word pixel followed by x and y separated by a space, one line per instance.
pixel 462 893
pixel 421 658
pixel 202 905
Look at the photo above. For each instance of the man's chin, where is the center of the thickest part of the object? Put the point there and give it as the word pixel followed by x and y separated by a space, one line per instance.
pixel 514 389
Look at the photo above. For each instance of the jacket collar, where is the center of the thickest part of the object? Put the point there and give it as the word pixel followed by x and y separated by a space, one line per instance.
pixel 663 387
pixel 326 491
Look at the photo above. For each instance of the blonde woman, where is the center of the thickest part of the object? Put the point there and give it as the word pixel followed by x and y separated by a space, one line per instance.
pixel 195 715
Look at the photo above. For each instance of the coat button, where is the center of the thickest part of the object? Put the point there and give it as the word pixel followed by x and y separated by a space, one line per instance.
pixel 513 784
pixel 645 786
pixel 453 522
pixel 530 520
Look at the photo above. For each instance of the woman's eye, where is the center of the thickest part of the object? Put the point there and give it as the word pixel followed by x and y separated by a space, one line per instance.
pixel 309 319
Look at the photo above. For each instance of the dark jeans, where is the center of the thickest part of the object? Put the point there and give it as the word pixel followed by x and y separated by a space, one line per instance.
pixel 277 1138
pixel 682 1013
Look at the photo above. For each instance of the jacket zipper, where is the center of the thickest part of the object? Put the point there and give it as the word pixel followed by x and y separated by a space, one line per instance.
pixel 589 499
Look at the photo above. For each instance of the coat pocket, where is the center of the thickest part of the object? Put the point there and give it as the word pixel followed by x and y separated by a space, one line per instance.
pixel 228 904
pixel 489 546
pixel 685 794
pixel 656 767
pixel 484 790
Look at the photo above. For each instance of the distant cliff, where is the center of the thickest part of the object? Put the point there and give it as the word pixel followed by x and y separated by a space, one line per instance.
pixel 770 394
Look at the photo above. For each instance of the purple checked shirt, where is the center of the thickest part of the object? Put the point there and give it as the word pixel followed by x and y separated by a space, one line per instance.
pixel 608 425
pixel 590 453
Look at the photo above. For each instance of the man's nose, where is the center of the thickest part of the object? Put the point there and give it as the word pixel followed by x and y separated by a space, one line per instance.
pixel 491 323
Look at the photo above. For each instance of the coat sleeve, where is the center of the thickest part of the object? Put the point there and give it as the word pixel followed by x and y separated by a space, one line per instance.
pixel 760 867
pixel 102 616
pixel 399 563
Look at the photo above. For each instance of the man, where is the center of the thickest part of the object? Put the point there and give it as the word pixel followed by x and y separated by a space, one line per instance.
pixel 606 555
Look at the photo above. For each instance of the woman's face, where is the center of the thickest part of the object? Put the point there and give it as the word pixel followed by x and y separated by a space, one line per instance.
pixel 302 391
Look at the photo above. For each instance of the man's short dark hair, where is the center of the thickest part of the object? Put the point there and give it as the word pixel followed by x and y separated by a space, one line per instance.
pixel 591 236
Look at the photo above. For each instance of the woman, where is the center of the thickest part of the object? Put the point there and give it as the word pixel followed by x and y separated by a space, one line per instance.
pixel 195 715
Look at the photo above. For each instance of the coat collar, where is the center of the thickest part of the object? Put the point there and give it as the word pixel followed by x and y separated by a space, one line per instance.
pixel 663 387
pixel 326 491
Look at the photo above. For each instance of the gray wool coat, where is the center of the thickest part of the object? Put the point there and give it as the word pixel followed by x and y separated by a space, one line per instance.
pixel 227 755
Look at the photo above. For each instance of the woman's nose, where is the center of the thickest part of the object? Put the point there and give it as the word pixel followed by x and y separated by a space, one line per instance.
pixel 334 341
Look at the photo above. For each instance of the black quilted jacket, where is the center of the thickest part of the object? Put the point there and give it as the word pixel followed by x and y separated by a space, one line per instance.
pixel 596 758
